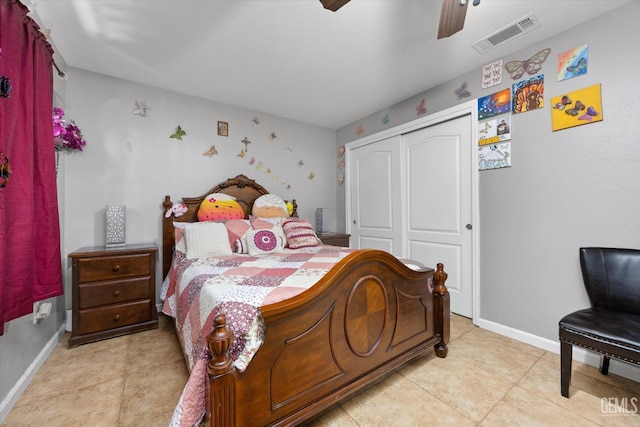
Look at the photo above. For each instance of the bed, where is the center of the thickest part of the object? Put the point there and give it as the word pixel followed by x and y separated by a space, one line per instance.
pixel 366 316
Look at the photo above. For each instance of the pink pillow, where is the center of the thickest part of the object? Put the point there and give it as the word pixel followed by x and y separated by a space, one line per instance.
pixel 300 234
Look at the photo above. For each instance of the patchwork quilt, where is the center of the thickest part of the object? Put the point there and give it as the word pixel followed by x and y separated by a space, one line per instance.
pixel 196 290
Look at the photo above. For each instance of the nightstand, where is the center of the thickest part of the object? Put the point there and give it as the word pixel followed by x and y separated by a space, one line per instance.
pixel 335 239
pixel 113 292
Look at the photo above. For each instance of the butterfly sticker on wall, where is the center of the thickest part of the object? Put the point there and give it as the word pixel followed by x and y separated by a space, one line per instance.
pixel 140 109
pixel 252 161
pixel 462 92
pixel 359 130
pixel 272 136
pixel 311 176
pixel 178 134
pixel 421 108
pixel 241 154
pixel 212 152
pixel 300 163
pixel 573 62
pixel 531 66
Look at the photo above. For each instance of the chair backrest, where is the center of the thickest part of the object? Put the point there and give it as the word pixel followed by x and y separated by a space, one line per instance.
pixel 612 278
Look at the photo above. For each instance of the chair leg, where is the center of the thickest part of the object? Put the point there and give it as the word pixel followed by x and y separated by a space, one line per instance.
pixel 604 365
pixel 566 351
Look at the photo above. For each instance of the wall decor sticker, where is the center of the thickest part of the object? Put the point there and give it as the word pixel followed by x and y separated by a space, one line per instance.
pixel 494 156
pixel 341 164
pixel 178 134
pixel 246 143
pixel 573 62
pixel 212 152
pixel 577 108
pixel 492 74
pixel 272 136
pixel 223 128
pixel 496 130
pixel 341 178
pixel 531 66
pixel 288 149
pixel 242 154
pixel 462 92
pixel 421 109
pixel 300 163
pixel 528 95
pixel 385 119
pixel 140 109
pixel 341 150
pixel 494 104
pixel 255 121
pixel 252 161
pixel 359 130
pixel 311 176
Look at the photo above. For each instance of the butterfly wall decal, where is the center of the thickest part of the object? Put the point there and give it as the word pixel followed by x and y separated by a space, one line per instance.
pixel 178 134
pixel 300 163
pixel 312 175
pixel 140 109
pixel 420 108
pixel 241 154
pixel 531 66
pixel 359 130
pixel 272 136
pixel 212 151
pixel 462 92
pixel 252 161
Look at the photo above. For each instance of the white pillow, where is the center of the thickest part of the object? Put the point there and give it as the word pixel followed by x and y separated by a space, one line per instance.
pixel 206 239
pixel 260 242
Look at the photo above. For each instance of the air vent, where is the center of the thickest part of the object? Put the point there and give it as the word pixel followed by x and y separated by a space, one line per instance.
pixel 511 31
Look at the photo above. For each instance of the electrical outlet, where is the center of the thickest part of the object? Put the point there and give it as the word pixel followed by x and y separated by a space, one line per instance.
pixel 36 307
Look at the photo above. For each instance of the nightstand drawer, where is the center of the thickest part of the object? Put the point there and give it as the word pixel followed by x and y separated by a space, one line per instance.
pixel 113 267
pixel 116 292
pixel 110 317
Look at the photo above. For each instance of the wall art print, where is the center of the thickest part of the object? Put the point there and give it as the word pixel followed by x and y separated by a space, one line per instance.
pixel 573 62
pixel 494 156
pixel 580 107
pixel 494 104
pixel 528 95
pixel 495 130
pixel 492 74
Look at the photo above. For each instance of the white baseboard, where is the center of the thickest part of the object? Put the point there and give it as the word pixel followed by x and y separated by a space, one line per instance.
pixel 14 394
pixel 581 355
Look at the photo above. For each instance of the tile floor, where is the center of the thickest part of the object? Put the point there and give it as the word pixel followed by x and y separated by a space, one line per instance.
pixel 486 380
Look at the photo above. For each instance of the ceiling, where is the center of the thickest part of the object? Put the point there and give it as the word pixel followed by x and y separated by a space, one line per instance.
pixel 292 58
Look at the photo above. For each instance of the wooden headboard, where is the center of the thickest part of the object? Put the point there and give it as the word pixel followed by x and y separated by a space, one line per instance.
pixel 245 190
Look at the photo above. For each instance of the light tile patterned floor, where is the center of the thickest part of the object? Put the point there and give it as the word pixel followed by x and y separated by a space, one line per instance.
pixel 486 380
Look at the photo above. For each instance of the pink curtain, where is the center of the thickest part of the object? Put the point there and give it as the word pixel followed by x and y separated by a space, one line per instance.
pixel 29 230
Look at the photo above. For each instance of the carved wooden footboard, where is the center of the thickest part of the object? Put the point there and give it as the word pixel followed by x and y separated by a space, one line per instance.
pixel 368 316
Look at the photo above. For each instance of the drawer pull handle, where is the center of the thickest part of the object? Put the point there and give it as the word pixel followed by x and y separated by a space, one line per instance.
pixel 116 317
pixel 116 268
pixel 116 292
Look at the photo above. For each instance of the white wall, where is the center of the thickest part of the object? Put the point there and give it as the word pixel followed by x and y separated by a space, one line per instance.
pixel 566 189
pixel 131 160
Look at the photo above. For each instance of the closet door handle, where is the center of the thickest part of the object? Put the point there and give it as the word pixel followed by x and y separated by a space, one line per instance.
pixel 469 226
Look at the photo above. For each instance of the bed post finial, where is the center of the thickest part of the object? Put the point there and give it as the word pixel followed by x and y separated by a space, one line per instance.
pixel 294 214
pixel 219 342
pixel 439 277
pixel 442 308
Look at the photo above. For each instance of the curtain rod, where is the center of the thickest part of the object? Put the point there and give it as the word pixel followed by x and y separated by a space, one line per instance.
pixel 61 74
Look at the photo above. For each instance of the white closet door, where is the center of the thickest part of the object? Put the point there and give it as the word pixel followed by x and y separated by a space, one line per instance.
pixel 376 214
pixel 437 179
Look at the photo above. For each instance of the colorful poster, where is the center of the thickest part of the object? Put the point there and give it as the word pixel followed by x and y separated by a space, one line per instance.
pixel 573 63
pixel 528 95
pixel 494 156
pixel 494 105
pixel 496 130
pixel 577 108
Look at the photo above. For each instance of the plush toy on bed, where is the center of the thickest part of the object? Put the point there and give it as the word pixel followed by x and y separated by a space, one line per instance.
pixel 269 206
pixel 178 209
pixel 219 206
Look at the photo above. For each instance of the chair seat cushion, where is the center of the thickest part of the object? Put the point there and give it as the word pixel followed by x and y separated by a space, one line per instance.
pixel 614 326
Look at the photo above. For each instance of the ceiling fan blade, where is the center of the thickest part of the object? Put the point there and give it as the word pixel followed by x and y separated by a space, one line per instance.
pixel 333 5
pixel 452 17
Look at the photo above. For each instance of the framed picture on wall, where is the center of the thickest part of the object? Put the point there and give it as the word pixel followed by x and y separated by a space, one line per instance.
pixel 223 128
